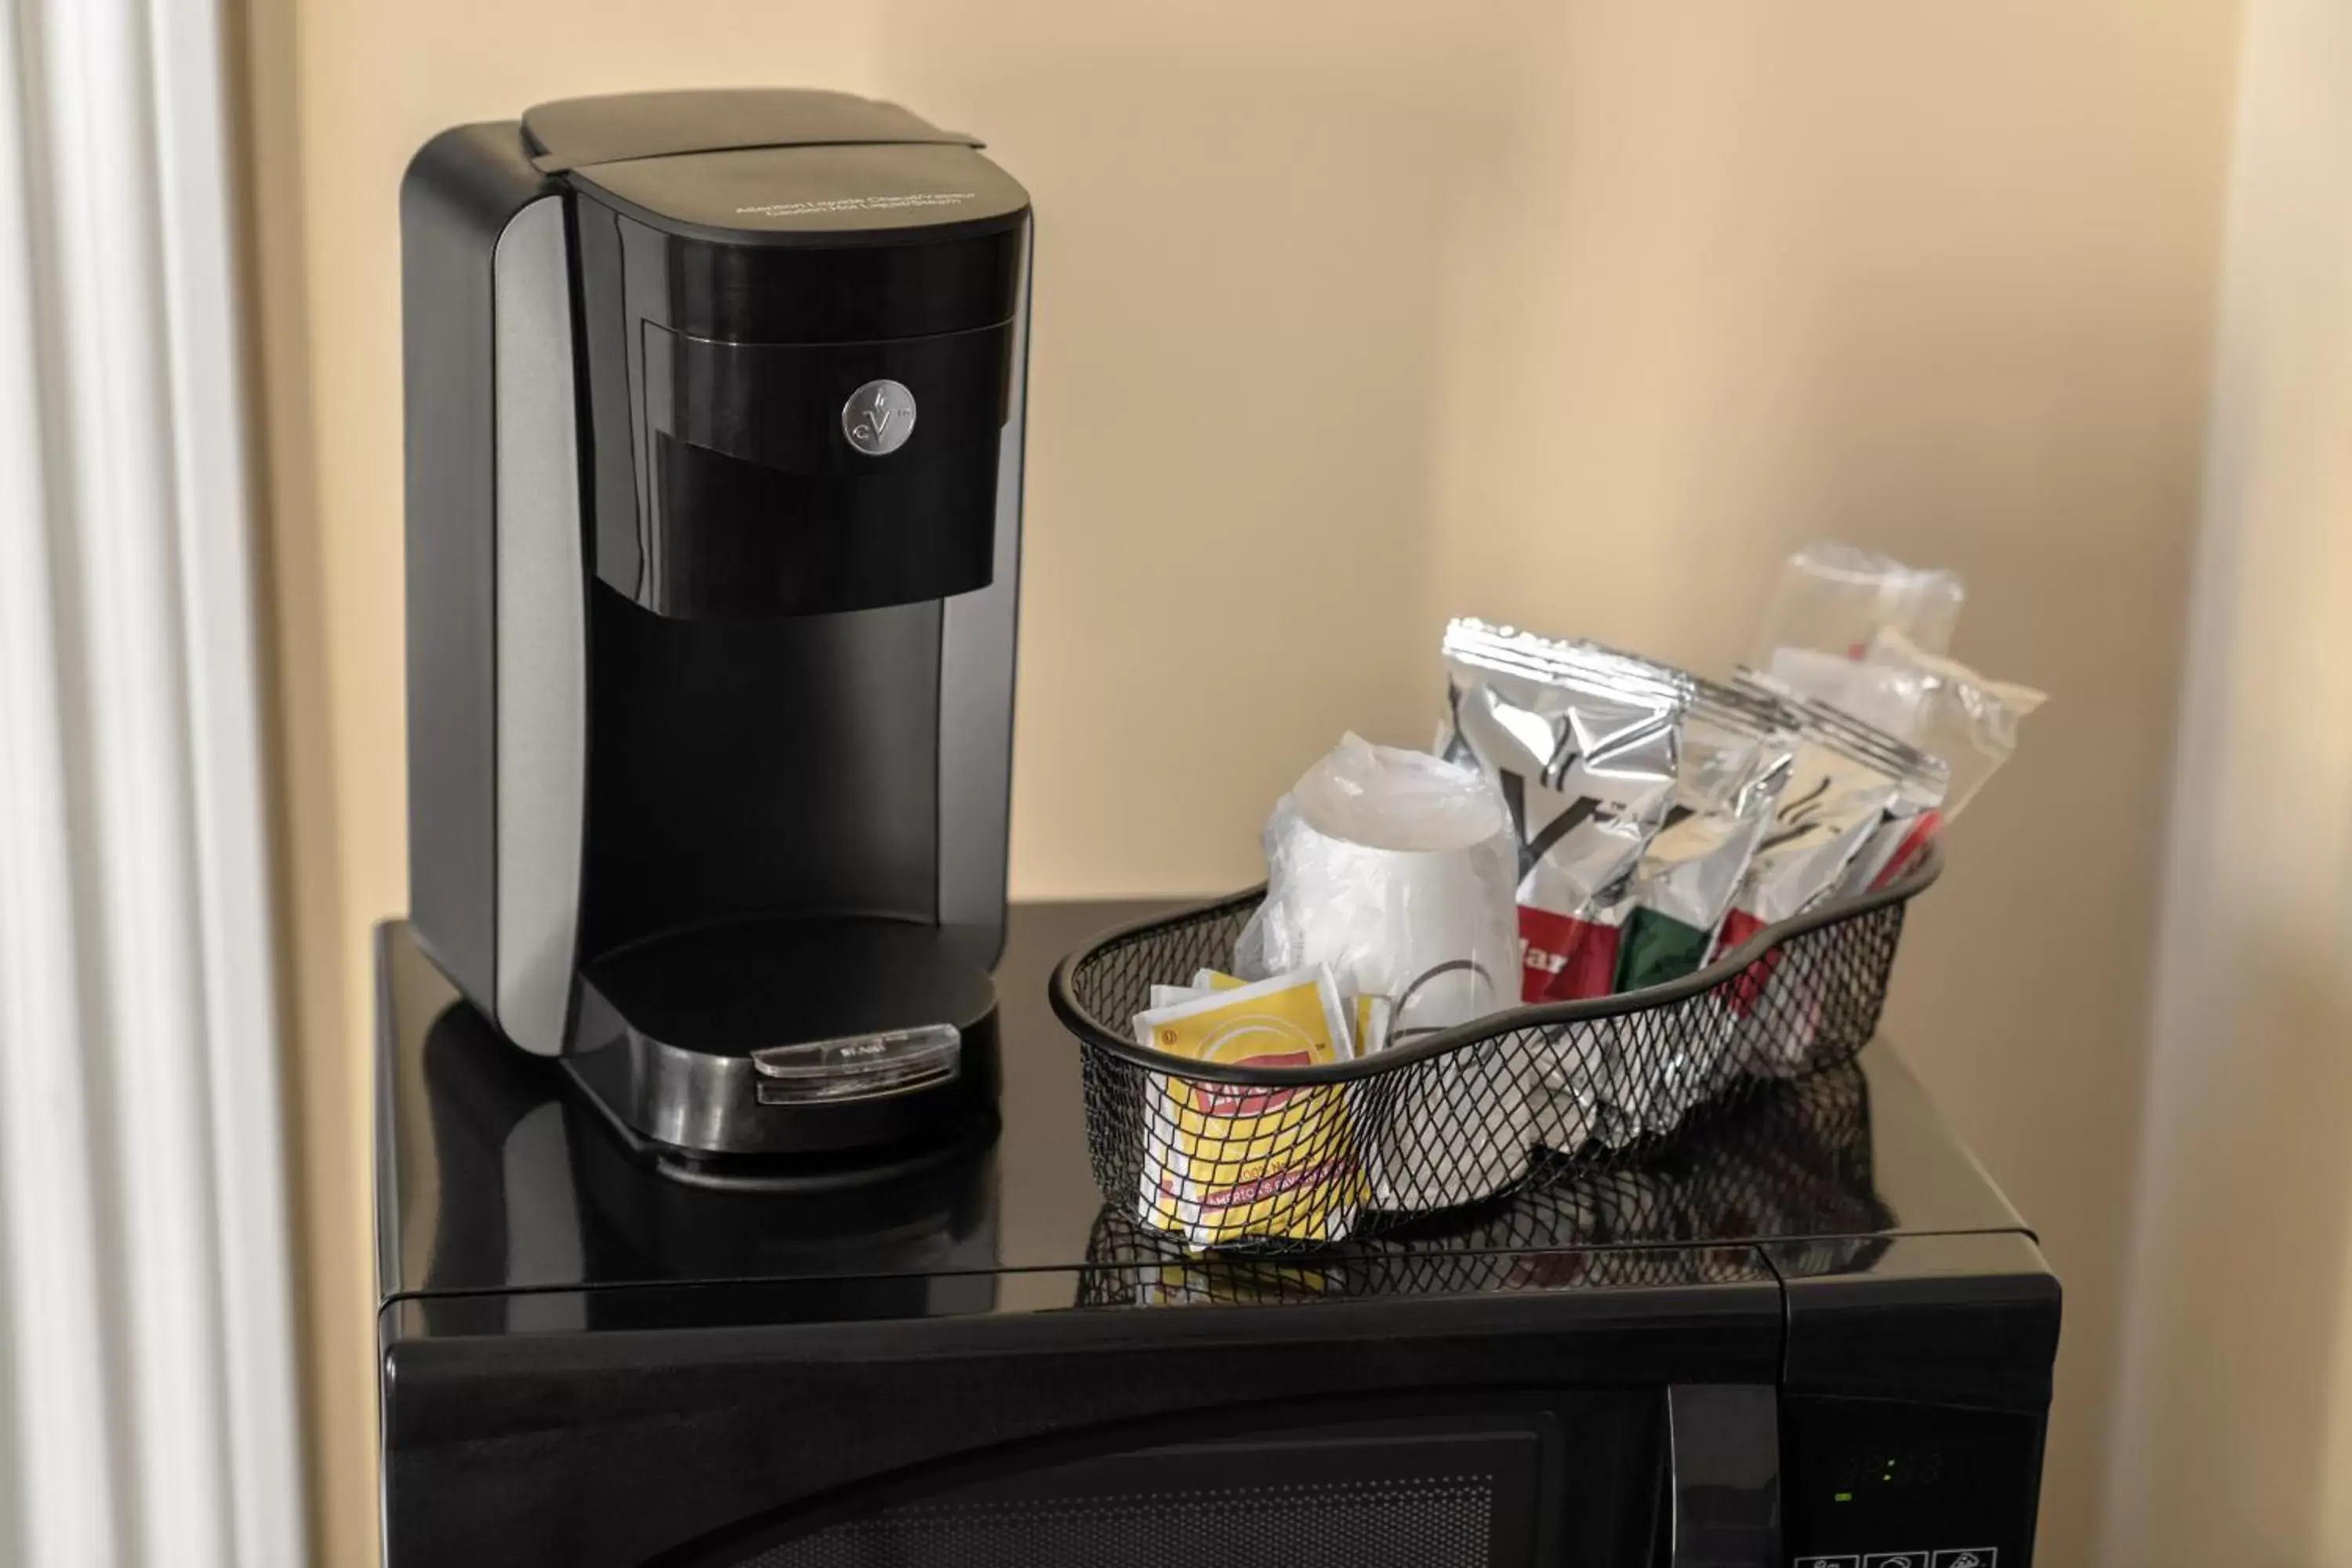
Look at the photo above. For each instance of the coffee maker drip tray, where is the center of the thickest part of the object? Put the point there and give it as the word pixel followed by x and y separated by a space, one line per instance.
pixel 790 1036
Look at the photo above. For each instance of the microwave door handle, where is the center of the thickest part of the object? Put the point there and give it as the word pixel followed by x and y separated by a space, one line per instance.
pixel 1724 1440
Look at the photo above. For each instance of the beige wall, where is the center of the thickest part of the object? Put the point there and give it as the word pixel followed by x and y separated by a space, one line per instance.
pixel 2234 1439
pixel 1351 316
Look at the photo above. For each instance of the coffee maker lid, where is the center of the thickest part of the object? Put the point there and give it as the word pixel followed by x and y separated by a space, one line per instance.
pixel 774 167
pixel 573 133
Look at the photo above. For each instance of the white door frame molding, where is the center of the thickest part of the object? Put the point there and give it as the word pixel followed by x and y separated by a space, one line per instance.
pixel 147 1402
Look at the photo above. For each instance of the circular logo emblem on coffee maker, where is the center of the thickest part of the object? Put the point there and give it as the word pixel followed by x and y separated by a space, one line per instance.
pixel 879 417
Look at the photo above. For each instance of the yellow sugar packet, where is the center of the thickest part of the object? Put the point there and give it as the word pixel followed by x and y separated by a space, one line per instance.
pixel 1368 1014
pixel 1228 1161
pixel 1242 1280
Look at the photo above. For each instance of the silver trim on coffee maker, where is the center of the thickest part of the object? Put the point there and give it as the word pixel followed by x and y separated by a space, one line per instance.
pixel 858 1067
pixel 541 639
pixel 701 1104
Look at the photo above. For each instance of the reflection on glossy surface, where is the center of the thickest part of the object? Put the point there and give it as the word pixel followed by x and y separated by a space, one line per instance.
pixel 507 1177
pixel 497 1177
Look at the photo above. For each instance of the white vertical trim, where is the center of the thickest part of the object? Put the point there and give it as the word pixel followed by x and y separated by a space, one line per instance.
pixel 214 514
pixel 119 453
pixel 64 1498
pixel 140 1177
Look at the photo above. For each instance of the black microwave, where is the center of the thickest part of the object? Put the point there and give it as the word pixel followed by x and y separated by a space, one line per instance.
pixel 1807 1331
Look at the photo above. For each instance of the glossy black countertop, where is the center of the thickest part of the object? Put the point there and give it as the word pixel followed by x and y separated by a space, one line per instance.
pixel 496 1182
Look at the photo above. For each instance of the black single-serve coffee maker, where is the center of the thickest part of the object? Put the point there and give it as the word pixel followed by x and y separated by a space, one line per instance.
pixel 714 449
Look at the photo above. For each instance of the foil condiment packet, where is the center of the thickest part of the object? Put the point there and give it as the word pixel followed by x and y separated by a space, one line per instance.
pixel 1584 743
pixel 1739 749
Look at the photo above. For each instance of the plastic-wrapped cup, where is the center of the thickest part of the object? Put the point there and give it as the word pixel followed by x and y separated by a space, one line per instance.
pixel 1397 869
pixel 1834 599
pixel 1456 1129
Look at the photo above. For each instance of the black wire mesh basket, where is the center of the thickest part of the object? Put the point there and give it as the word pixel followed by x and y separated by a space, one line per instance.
pixel 1287 1159
pixel 1789 1160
